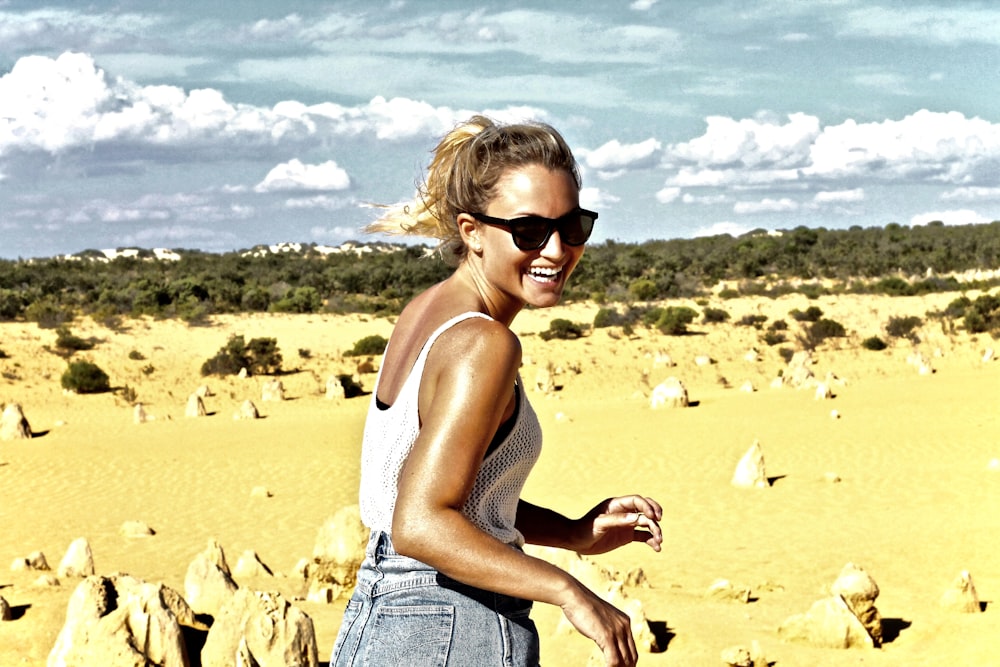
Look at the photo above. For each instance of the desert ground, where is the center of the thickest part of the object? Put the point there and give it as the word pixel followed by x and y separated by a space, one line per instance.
pixel 917 501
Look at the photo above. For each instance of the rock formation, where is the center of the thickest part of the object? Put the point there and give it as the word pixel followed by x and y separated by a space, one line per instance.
pixel 338 552
pixel 208 584
pixel 247 411
pixel 962 596
pixel 123 621
pixel 671 393
pixel 272 390
pixel 136 529
pixel 260 628
pixel 195 406
pixel 847 618
pixel 750 471
pixel 78 561
pixel 250 565
pixel 334 388
pixel 13 424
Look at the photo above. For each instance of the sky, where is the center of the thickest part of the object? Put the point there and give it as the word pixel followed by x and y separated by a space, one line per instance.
pixel 221 126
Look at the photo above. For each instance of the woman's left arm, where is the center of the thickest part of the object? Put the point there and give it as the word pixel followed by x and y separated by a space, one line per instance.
pixel 610 524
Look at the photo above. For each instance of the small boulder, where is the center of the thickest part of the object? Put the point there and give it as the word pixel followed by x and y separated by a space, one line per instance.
pixel 962 596
pixel 247 411
pixel 671 393
pixel 208 583
pixel 723 589
pixel 136 529
pixel 750 471
pixel 13 424
pixel 261 628
pixel 250 565
pixel 78 561
pixel 272 390
pixel 334 388
pixel 195 407
pixel 5 612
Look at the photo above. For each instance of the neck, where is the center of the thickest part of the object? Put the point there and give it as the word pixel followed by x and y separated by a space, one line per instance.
pixel 500 307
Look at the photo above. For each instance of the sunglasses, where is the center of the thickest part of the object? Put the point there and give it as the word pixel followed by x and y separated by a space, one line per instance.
pixel 532 232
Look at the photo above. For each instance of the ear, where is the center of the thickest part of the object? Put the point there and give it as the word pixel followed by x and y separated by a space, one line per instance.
pixel 468 228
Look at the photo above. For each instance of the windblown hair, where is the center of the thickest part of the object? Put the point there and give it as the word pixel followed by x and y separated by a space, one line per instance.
pixel 464 175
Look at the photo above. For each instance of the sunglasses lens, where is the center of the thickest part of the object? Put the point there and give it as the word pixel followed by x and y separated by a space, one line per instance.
pixel 576 229
pixel 531 232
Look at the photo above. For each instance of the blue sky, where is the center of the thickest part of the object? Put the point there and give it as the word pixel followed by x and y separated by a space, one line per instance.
pixel 220 126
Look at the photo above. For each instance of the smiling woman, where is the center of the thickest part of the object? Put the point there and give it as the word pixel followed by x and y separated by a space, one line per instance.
pixel 450 436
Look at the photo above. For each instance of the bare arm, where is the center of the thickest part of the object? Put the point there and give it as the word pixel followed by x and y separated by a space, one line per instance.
pixel 467 384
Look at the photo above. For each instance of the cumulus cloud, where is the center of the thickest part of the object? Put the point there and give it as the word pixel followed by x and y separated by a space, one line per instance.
pixel 719 228
pixel 668 195
pixel 766 205
pixel 615 158
pixel 641 5
pixel 295 175
pixel 955 217
pixel 839 196
pixel 972 194
pixel 595 198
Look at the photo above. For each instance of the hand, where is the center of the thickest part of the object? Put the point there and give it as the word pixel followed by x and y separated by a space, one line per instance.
pixel 609 627
pixel 619 521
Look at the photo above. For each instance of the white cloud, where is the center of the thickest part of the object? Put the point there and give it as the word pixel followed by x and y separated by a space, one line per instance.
pixel 641 5
pixel 795 37
pixel 972 194
pixel 766 205
pixel 668 195
pixel 594 198
pixel 295 175
pixel 322 202
pixel 937 23
pixel 719 228
pixel 956 217
pixel 839 196
pixel 614 158
pixel 755 143
pixel 704 200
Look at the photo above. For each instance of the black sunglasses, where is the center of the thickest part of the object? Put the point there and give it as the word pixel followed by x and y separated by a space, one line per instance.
pixel 532 232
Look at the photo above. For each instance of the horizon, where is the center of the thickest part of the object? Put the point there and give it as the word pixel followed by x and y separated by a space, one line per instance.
pixel 215 129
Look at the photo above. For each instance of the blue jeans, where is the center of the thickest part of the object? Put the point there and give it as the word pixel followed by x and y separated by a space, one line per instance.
pixel 404 612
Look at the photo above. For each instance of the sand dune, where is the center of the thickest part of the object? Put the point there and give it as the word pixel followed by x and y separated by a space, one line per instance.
pixel 916 503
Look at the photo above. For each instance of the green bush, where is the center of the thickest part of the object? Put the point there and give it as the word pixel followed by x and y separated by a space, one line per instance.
pixel 643 289
pixel 983 314
pixel 874 343
pixel 85 377
pixel 674 320
pixel 136 355
pixel 714 315
pixel 819 331
pixel 368 346
pixel 755 321
pixel 607 317
pixel 773 338
pixel 562 329
pixel 260 357
pixel 67 341
pixel 810 314
pixel 902 327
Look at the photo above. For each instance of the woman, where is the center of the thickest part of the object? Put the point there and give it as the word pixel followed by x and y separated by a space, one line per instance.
pixel 450 436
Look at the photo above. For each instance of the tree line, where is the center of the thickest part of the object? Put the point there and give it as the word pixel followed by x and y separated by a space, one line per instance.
pixel 894 259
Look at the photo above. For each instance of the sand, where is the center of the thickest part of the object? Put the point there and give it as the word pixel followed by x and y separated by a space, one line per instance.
pixel 917 502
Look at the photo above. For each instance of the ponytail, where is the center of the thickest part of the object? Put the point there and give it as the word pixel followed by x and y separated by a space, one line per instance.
pixel 462 177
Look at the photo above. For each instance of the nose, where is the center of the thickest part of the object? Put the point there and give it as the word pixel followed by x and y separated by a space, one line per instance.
pixel 554 247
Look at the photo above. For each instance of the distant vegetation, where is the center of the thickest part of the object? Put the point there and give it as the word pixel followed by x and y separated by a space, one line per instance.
pixel 380 278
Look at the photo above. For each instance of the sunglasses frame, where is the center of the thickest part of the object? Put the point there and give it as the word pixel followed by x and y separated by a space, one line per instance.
pixel 552 225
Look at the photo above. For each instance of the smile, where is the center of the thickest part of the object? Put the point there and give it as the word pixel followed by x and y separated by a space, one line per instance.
pixel 544 275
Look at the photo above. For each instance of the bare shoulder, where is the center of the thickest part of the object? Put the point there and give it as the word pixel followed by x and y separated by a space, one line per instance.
pixel 478 339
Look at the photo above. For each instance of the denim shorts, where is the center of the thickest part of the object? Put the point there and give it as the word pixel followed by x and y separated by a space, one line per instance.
pixel 403 612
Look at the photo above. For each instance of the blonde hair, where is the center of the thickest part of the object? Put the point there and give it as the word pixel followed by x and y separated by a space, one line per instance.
pixel 464 174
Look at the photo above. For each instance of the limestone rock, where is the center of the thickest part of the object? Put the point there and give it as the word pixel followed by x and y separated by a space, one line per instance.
pixel 5 613
pixel 823 392
pixel 250 565
pixel 122 621
pixel 260 492
pixel 272 390
pixel 741 656
pixel 34 561
pixel 544 381
pixel 139 414
pixel 340 548
pixel 671 393
pixel 208 584
pixel 829 623
pixel 136 529
pixel 13 424
pixel 204 391
pixel 723 589
pixel 962 596
pixel 78 561
pixel 261 628
pixel 750 471
pixel 247 411
pixel 195 407
pixel 859 590
pixel 334 388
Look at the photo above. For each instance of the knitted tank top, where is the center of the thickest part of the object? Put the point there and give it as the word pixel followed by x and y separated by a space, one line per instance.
pixel 389 437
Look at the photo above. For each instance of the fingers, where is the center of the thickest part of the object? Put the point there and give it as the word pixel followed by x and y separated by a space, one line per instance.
pixel 636 503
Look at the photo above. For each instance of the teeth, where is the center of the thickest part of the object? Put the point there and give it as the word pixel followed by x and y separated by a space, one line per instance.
pixel 545 272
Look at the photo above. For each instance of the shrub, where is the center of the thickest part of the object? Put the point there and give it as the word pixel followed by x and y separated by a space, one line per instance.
pixel 714 316
pixel 755 321
pixel 674 320
pixel 607 317
pixel 136 355
pixel 810 314
pixel 819 331
pixel 3 355
pixel 67 341
pixel 874 343
pixel 260 357
pixel 368 346
pixel 47 313
pixel 902 327
pixel 562 329
pixel 643 289
pixel 786 353
pixel 85 377
pixel 983 314
pixel 773 338
pixel 728 293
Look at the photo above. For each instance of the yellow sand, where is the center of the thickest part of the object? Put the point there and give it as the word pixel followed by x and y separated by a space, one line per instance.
pixel 918 500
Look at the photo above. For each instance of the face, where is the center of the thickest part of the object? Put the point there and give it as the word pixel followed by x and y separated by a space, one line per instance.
pixel 535 277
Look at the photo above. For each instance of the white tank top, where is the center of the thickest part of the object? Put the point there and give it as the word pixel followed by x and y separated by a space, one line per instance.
pixel 389 437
